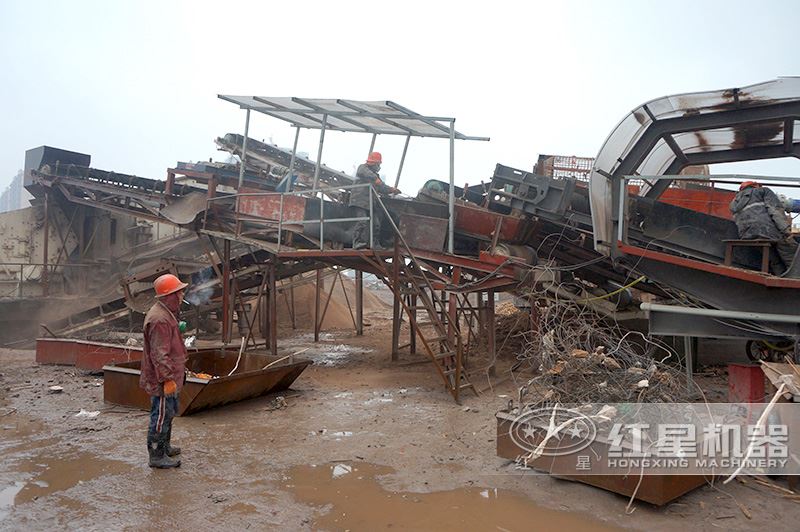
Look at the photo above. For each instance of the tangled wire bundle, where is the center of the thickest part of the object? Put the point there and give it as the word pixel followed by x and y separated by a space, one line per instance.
pixel 579 357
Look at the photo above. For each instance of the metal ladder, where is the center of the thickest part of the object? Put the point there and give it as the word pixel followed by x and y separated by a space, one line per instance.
pixel 444 346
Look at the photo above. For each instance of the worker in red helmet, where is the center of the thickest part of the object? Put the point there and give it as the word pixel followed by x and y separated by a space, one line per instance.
pixel 760 215
pixel 368 173
pixel 163 368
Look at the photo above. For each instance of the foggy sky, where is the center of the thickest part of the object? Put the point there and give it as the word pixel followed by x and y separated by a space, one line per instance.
pixel 135 84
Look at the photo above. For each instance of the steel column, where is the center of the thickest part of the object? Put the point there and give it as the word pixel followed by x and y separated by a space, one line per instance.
pixel 273 310
pixel 491 328
pixel 291 161
pixel 402 160
pixel 451 199
pixel 412 324
pixel 244 149
pixel 359 303
pixel 372 144
pixel 227 308
pixel 319 151
pixel 46 274
pixel 316 304
pixel 396 302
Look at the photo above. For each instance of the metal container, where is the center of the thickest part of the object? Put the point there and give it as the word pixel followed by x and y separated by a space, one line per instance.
pixel 248 381
pixel 423 232
pixel 655 489
pixel 83 354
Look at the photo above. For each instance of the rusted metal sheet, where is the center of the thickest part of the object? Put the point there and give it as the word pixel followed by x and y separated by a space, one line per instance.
pixel 250 380
pixel 655 489
pixel 480 223
pixel 423 232
pixel 83 354
pixel 269 207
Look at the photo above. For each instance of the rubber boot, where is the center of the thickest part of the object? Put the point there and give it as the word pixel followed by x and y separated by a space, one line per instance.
pixel 171 451
pixel 156 446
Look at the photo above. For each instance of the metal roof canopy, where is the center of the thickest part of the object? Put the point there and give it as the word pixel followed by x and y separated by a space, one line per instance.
pixel 377 118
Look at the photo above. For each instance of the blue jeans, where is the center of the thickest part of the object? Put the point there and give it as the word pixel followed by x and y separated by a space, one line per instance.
pixel 162 410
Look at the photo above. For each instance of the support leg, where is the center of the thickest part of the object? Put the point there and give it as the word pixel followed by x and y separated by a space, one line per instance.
pixel 317 287
pixel 359 303
pixel 490 332
pixel 273 311
pixel 396 303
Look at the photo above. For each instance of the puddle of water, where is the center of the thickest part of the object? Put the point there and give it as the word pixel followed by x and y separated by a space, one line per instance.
pixel 44 475
pixel 7 497
pixel 357 501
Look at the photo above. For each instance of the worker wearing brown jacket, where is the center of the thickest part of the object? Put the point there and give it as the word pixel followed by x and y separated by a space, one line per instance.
pixel 163 368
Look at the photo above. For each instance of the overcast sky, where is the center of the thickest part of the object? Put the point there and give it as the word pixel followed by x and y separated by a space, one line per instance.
pixel 135 84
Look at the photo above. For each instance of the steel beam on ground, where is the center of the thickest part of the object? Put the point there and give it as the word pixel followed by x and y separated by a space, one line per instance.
pixel 359 303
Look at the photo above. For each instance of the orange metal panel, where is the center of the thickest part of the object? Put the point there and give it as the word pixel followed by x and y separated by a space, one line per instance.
pixel 269 207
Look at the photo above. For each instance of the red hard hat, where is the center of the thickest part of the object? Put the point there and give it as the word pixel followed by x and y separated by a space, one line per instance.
pixel 168 284
pixel 747 184
pixel 374 157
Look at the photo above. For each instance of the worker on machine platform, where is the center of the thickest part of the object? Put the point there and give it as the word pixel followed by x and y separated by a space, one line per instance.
pixel 760 215
pixel 163 368
pixel 367 173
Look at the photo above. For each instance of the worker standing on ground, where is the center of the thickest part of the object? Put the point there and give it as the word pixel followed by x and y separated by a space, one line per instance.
pixel 367 173
pixel 163 368
pixel 759 214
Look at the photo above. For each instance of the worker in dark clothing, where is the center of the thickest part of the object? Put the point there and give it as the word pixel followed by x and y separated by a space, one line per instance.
pixel 367 173
pixel 163 368
pixel 759 214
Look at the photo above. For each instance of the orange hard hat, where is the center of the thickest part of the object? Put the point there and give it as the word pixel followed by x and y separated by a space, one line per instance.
pixel 746 184
pixel 168 284
pixel 374 157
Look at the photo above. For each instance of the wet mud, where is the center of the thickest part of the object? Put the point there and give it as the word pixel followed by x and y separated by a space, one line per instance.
pixel 349 496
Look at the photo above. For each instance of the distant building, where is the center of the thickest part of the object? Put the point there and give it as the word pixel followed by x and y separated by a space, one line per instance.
pixel 14 196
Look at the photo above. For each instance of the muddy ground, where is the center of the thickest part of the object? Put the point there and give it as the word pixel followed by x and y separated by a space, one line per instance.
pixel 362 444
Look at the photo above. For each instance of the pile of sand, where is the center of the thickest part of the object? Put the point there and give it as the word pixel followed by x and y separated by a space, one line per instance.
pixel 338 314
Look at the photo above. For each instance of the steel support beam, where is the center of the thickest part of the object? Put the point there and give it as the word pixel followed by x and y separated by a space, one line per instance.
pixel 359 303
pixel 402 160
pixel 491 330
pixel 294 156
pixel 244 149
pixel 319 151
pixel 227 307
pixel 273 309
pixel 451 199
pixel 317 323
pixel 396 302
pixel 45 251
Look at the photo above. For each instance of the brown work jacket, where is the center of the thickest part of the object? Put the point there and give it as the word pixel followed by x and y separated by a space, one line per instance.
pixel 164 356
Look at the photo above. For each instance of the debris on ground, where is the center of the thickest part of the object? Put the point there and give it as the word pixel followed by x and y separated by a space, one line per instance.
pixel 578 358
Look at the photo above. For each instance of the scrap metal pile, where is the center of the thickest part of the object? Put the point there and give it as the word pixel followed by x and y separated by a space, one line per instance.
pixel 580 357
